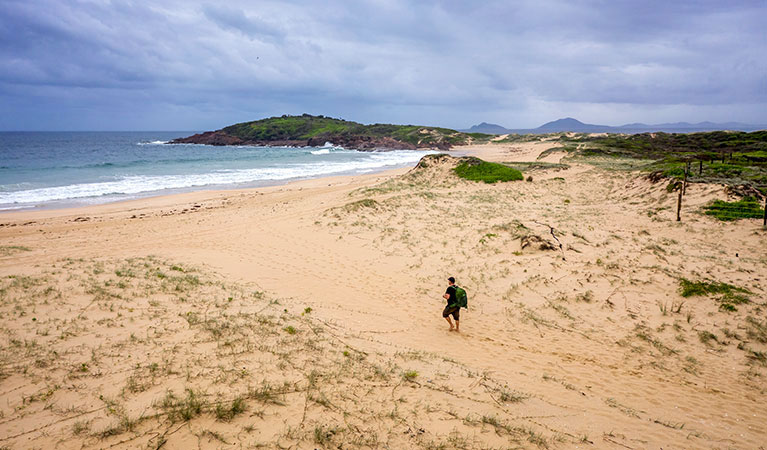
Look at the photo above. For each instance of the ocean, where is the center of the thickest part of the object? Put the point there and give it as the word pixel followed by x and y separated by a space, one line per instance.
pixel 63 169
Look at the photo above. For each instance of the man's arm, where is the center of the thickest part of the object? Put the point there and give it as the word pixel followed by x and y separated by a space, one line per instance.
pixel 446 296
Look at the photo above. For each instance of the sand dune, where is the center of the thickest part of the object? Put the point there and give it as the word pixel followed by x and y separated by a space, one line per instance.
pixel 308 315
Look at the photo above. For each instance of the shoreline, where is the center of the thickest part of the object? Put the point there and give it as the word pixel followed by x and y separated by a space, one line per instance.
pixel 59 208
pixel 87 202
pixel 195 196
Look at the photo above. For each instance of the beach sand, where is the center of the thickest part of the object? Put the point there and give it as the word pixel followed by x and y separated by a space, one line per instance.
pixel 308 315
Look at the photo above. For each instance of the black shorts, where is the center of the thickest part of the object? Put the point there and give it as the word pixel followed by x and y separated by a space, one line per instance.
pixel 455 311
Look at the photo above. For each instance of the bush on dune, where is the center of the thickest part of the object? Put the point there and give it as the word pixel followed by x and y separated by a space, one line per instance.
pixel 478 170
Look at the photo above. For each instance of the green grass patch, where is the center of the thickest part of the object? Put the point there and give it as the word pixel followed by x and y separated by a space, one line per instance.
pixel 478 170
pixel 730 294
pixel 745 208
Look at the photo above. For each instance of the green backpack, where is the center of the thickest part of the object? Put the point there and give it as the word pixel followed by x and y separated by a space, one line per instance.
pixel 460 297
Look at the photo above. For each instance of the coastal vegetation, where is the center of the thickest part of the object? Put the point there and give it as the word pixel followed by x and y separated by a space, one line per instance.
pixel 307 129
pixel 733 158
pixel 478 170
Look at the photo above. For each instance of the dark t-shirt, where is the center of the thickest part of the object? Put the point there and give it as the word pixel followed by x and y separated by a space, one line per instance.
pixel 451 292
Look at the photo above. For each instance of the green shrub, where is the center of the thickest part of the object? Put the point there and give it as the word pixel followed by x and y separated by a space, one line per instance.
pixel 486 171
pixel 674 172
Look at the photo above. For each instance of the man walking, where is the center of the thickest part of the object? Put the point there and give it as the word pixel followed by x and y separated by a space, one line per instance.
pixel 452 307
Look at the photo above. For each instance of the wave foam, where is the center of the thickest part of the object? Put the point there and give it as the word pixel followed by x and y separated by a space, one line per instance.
pixel 136 184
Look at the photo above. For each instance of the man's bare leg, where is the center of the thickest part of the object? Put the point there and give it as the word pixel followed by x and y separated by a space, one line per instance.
pixel 456 325
pixel 450 322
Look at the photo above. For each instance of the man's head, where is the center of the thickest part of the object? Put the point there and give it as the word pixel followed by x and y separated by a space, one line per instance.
pixel 451 280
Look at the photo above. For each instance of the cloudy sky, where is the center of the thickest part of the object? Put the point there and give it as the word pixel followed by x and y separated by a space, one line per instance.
pixel 200 65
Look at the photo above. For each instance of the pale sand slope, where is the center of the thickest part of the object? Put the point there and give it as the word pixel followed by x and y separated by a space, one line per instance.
pixel 208 343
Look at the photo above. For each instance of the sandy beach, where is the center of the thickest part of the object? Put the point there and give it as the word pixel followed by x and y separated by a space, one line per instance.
pixel 309 315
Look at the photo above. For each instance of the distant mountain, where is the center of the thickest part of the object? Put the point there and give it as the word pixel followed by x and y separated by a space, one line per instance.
pixel 487 128
pixel 571 124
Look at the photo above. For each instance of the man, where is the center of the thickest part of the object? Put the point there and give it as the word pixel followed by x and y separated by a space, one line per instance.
pixel 452 307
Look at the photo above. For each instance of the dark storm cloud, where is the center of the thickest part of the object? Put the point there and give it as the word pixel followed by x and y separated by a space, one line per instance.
pixel 103 64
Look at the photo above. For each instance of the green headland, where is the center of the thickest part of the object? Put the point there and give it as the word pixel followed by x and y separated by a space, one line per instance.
pixel 317 130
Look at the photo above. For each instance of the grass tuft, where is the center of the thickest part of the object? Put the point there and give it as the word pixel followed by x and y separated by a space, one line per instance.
pixel 756 330
pixel 265 394
pixel 706 337
pixel 410 375
pixel 226 412
pixel 182 409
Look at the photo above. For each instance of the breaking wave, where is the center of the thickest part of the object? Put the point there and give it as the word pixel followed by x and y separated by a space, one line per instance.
pixel 131 185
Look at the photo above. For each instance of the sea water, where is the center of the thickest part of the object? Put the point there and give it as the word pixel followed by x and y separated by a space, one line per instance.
pixel 59 169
